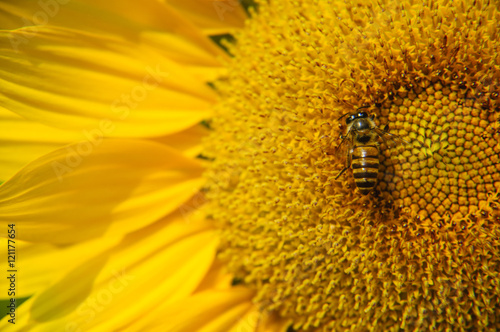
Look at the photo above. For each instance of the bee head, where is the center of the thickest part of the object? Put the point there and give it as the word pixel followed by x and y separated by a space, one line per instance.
pixel 352 117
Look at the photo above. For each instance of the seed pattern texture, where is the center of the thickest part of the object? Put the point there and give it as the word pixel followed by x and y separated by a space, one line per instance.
pixel 419 253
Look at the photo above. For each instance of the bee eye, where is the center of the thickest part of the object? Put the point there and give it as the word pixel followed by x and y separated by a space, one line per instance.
pixel 348 120
pixel 362 115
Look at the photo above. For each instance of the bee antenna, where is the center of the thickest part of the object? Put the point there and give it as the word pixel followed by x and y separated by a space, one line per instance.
pixel 366 106
pixel 343 116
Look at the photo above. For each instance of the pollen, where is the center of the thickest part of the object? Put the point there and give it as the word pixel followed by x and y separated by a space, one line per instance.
pixel 422 250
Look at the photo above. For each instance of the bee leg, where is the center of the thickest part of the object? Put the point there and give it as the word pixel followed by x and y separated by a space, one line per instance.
pixel 341 172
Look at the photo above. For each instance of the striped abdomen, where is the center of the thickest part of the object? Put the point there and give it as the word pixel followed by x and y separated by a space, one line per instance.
pixel 364 166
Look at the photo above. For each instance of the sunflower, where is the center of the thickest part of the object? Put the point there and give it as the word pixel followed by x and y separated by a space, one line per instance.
pixel 174 166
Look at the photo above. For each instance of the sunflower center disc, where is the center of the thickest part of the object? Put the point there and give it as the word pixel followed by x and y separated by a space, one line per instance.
pixel 420 252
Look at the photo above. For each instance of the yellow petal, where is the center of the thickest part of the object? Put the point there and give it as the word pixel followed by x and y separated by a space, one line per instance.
pixel 187 141
pixel 8 21
pixel 36 262
pixel 82 82
pixel 272 323
pixel 147 22
pixel 212 310
pixel 216 278
pixel 214 17
pixel 249 322
pixel 22 141
pixel 92 189
pixel 229 320
pixel 206 74
pixel 160 264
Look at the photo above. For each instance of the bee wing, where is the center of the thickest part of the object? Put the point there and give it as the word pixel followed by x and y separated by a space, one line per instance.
pixel 390 140
pixel 341 150
pixel 342 153
pixel 399 158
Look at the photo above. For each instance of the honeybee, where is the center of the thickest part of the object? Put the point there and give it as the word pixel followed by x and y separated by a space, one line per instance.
pixel 362 152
